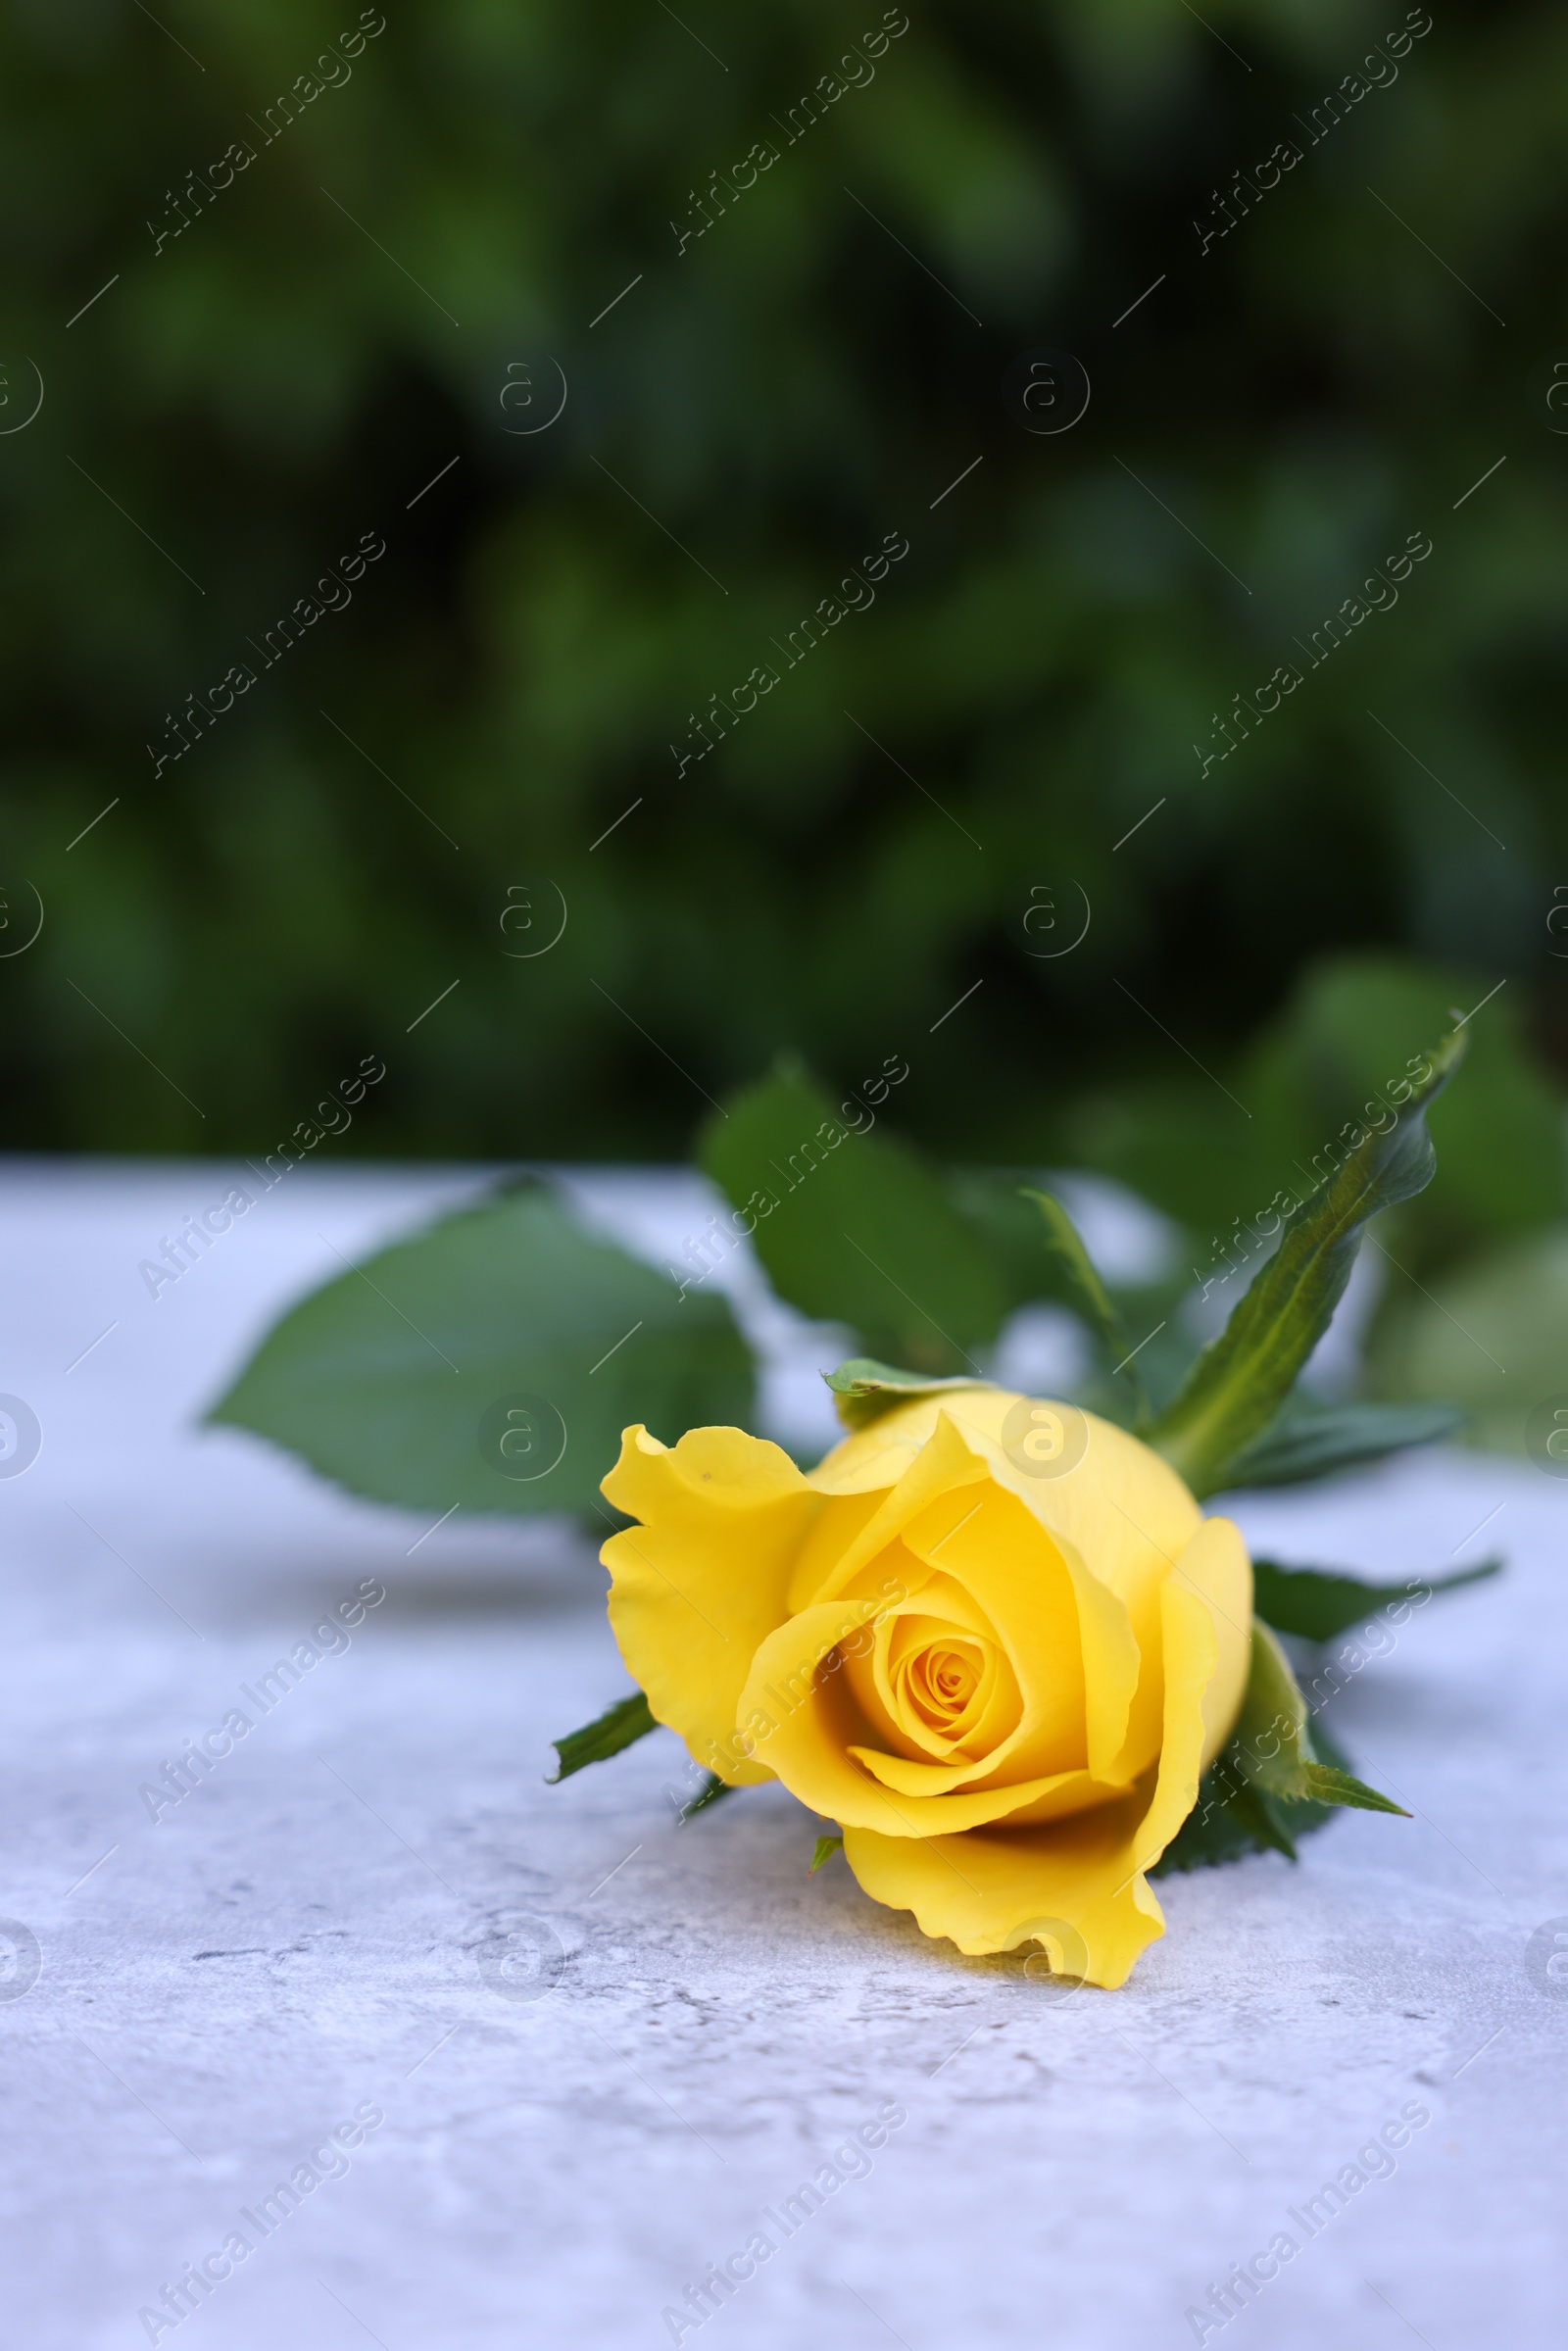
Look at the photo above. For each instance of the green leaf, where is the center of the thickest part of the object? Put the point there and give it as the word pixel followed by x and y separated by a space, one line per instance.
pixel 1349 1026
pixel 826 1848
pixel 617 1728
pixel 1088 1292
pixel 852 1227
pixel 863 1390
pixel 1313 1441
pixel 1240 1382
pixel 1499 1136
pixel 711 1790
pixel 1316 1602
pixel 491 1361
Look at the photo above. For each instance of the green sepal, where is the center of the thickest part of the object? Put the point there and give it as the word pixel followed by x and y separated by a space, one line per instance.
pixel 1316 1602
pixel 627 1720
pixel 1313 1441
pixel 1239 1382
pixel 1089 1293
pixel 1325 1785
pixel 1232 1819
pixel 863 1390
pixel 825 1849
pixel 711 1790
pixel 1274 1780
pixel 1273 1739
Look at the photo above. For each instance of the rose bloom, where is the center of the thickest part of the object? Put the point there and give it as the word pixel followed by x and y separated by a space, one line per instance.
pixel 996 1641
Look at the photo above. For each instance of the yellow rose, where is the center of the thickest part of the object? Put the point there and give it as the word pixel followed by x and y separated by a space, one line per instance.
pixel 995 1641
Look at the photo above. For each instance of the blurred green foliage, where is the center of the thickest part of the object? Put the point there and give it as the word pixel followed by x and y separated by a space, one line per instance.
pixel 1218 1150
pixel 1491 1335
pixel 1334 1052
pixel 467 194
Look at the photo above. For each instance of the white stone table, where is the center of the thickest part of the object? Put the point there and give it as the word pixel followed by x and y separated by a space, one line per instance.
pixel 315 1930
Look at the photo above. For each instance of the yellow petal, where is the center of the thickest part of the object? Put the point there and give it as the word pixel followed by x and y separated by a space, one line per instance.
pixel 943 1464
pixel 1119 1519
pixel 1070 1636
pixel 955 1455
pixel 955 1691
pixel 841 1519
pixel 1123 1507
pixel 875 1457
pixel 1215 1568
pixel 996 1888
pixel 1191 1665
pixel 1065 1791
pixel 938 1608
pixel 897 1579
pixel 803 1724
pixel 702 1582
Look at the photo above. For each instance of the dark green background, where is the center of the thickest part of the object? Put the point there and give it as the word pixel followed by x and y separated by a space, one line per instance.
pixel 271 385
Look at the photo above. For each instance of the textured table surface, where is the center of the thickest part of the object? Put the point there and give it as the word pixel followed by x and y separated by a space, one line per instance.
pixel 340 1919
